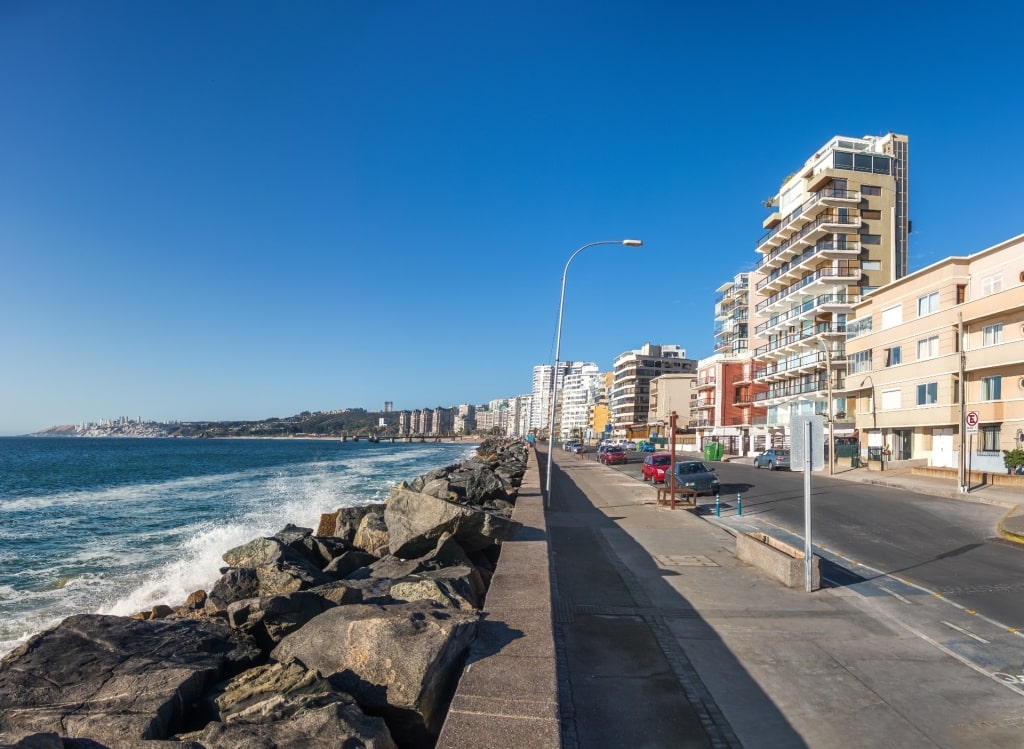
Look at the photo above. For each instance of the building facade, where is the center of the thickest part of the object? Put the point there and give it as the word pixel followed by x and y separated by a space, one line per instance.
pixel 838 230
pixel 928 350
pixel 630 400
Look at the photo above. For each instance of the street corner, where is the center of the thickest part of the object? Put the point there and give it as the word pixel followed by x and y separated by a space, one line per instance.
pixel 1011 525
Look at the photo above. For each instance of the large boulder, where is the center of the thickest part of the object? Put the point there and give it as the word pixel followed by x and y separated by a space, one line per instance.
pixel 287 705
pixel 372 535
pixel 114 680
pixel 268 620
pixel 417 521
pixel 452 587
pixel 477 485
pixel 265 567
pixel 344 522
pixel 399 661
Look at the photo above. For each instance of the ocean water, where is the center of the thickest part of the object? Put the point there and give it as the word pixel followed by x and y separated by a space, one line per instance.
pixel 111 525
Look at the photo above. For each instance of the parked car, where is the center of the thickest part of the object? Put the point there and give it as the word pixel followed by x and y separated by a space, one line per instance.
pixel 570 445
pixel 579 448
pixel 772 458
pixel 647 447
pixel 614 455
pixel 655 466
pixel 696 475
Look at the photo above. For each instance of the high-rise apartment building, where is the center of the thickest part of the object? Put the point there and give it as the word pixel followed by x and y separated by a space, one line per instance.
pixel 631 391
pixel 580 389
pixel 540 404
pixel 838 230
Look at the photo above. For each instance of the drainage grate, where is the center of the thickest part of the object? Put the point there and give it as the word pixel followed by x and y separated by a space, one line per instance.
pixel 684 560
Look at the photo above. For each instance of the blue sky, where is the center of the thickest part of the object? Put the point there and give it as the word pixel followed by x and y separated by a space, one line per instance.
pixel 238 210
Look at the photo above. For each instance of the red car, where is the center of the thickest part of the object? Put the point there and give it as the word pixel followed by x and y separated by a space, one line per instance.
pixel 614 455
pixel 656 466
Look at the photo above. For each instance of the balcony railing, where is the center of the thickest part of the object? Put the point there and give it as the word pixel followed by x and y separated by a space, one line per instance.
pixel 800 388
pixel 847 272
pixel 825 245
pixel 789 340
pixel 810 304
pixel 825 192
pixel 786 365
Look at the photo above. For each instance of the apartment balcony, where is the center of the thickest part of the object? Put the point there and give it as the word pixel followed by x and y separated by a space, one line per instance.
pixel 786 392
pixel 839 302
pixel 784 345
pixel 832 196
pixel 707 384
pixel 817 281
pixel 704 406
pixel 779 252
pixel 743 399
pixel 743 378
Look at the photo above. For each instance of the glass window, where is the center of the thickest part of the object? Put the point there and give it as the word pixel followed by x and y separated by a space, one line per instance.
pixel 843 160
pixel 928 348
pixel 871 239
pixel 870 214
pixel 871 265
pixel 992 284
pixel 990 438
pixel 860 362
pixel 870 190
pixel 862 162
pixel 991 388
pixel 927 304
pixel 927 393
pixel 881 165
pixel 993 334
pixel 893 356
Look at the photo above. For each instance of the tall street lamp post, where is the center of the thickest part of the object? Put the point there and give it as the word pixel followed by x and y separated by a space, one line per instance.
pixel 558 348
pixel 874 418
pixel 831 417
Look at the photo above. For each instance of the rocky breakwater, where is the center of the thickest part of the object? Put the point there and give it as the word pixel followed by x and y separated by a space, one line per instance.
pixel 349 636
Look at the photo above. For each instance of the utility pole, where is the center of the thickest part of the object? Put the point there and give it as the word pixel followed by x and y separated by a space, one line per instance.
pixel 962 388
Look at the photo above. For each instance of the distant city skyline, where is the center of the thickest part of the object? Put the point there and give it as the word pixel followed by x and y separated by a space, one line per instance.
pixel 221 212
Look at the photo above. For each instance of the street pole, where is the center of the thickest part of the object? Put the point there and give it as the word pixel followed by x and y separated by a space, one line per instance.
pixel 808 555
pixel 558 350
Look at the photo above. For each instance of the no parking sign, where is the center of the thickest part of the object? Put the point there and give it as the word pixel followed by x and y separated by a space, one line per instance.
pixel 971 419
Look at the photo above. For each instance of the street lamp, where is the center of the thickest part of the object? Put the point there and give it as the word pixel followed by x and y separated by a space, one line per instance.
pixel 874 423
pixel 831 408
pixel 558 347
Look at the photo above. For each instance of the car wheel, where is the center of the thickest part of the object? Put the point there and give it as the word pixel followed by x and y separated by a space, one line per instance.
pixel 771 466
pixel 757 464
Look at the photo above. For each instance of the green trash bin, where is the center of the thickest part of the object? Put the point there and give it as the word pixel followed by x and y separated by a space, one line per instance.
pixel 718 449
pixel 707 450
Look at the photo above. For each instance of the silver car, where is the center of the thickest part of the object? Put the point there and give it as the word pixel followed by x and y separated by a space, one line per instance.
pixel 772 459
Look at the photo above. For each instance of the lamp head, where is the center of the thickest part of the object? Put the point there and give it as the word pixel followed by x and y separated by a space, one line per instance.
pixel 632 242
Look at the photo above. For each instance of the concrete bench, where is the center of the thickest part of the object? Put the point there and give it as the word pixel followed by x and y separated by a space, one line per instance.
pixel 683 496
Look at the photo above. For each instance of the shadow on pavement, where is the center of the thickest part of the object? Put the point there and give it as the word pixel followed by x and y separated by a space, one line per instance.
pixel 624 678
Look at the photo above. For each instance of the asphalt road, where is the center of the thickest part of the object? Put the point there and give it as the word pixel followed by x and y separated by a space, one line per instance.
pixel 948 546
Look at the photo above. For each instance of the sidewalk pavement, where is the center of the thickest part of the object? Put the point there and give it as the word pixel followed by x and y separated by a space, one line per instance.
pixel 663 638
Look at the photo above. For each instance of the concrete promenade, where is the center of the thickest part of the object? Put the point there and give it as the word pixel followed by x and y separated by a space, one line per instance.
pixel 613 622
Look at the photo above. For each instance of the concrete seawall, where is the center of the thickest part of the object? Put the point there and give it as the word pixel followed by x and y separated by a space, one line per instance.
pixel 508 694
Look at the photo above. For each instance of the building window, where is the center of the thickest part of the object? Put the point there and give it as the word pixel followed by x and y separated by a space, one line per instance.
pixel 860 362
pixel 890 399
pixel 991 388
pixel 992 284
pixel 928 348
pixel 870 190
pixel 893 356
pixel 993 334
pixel 867 213
pixel 961 293
pixel 927 304
pixel 871 239
pixel 927 393
pixel 990 438
pixel 871 265
pixel 892 317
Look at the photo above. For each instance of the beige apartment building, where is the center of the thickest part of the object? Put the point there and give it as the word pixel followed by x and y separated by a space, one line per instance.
pixel 838 230
pixel 671 393
pixel 930 351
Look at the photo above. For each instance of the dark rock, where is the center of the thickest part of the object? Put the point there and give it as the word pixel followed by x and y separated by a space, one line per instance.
pixel 344 522
pixel 348 562
pixel 372 536
pixel 398 661
pixel 287 705
pixel 115 680
pixel 452 587
pixel 417 521
pixel 268 620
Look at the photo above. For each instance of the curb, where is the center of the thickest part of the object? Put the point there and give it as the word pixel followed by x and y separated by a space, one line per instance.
pixel 1006 534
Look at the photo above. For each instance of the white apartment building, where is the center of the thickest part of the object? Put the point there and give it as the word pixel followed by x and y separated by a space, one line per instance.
pixel 838 230
pixel 580 389
pixel 540 398
pixel 631 389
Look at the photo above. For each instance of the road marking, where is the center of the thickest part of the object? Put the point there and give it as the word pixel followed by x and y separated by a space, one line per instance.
pixel 961 630
pixel 896 595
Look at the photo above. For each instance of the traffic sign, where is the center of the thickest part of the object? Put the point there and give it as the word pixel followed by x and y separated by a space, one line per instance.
pixel 971 419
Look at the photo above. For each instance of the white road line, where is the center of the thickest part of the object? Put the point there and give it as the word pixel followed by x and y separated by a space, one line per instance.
pixel 965 632
pixel 894 594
